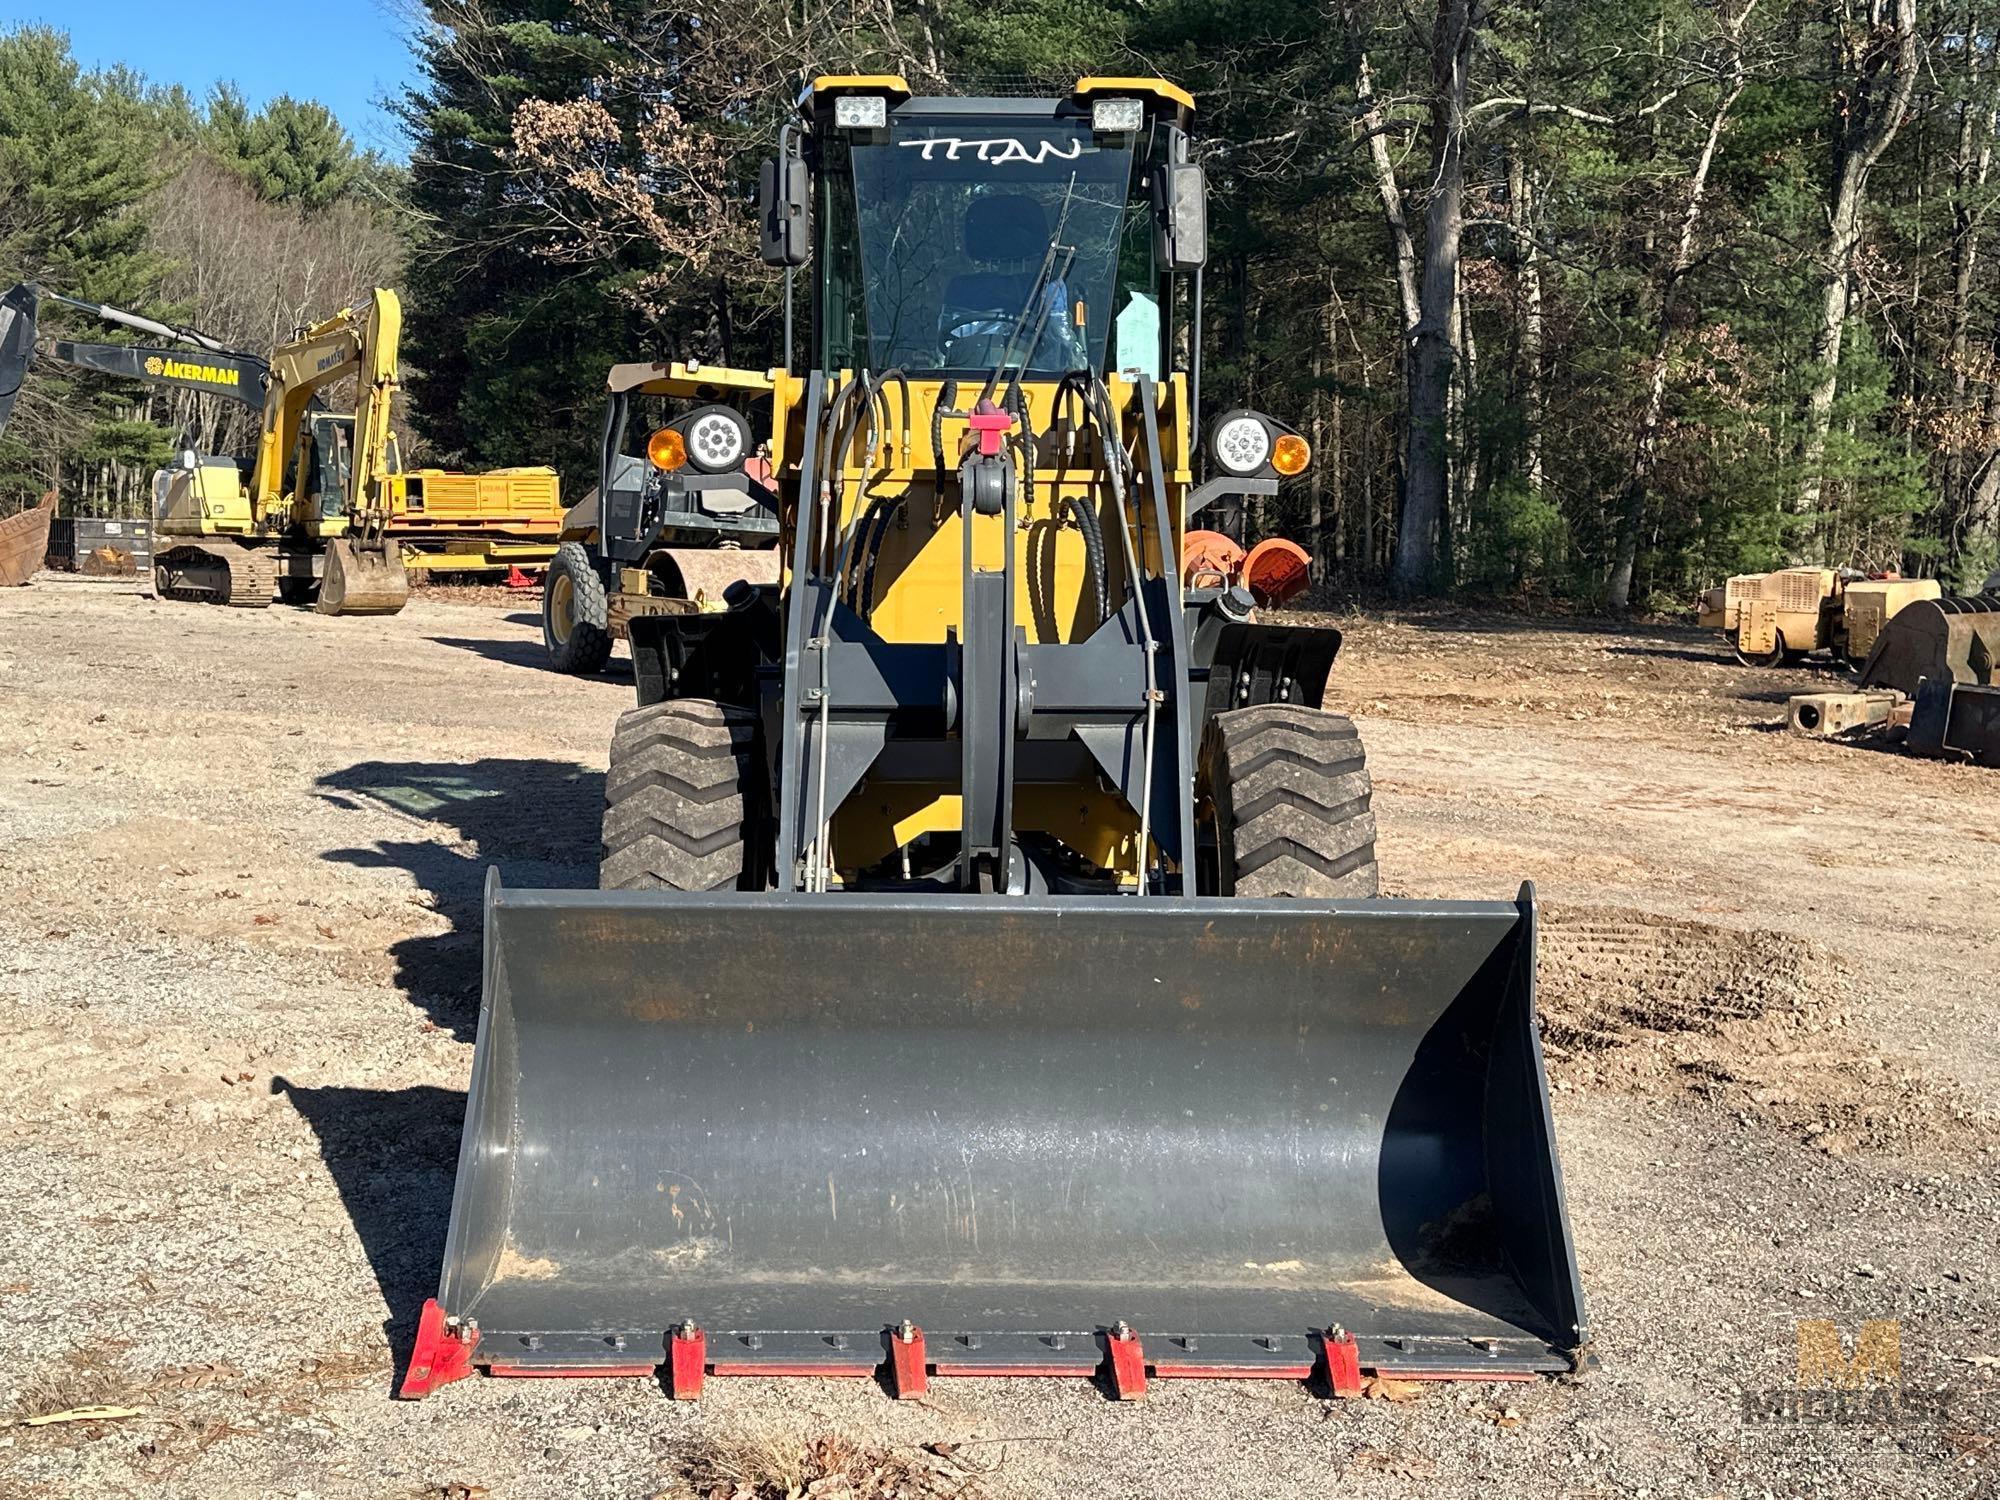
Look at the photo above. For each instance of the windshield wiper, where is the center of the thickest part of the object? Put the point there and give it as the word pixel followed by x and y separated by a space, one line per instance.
pixel 1036 294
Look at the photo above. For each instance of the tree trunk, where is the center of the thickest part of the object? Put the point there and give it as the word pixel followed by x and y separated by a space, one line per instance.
pixel 1466 453
pixel 1427 468
pixel 1645 448
pixel 1869 128
pixel 1528 315
pixel 1983 505
pixel 1974 164
pixel 1316 485
pixel 1402 250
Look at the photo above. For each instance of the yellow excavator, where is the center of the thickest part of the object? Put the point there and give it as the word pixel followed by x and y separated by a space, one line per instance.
pixel 315 506
pixel 437 521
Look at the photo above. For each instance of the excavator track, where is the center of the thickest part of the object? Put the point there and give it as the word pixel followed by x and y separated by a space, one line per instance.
pixel 217 572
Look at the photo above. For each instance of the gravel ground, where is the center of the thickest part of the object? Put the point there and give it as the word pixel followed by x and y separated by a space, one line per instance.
pixel 240 862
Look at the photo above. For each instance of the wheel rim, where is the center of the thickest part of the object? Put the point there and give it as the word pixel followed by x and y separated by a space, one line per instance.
pixel 562 601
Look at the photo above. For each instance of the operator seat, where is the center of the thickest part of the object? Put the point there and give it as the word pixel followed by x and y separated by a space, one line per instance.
pixel 1000 229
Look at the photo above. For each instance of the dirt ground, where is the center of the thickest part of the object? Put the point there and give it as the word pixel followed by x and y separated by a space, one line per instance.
pixel 240 863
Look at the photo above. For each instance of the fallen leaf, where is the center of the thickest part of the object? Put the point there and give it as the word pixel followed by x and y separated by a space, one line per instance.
pixel 84 1414
pixel 322 929
pixel 1393 1464
pixel 1382 1388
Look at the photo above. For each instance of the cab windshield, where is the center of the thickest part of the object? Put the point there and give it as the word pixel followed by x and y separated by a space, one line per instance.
pixel 943 229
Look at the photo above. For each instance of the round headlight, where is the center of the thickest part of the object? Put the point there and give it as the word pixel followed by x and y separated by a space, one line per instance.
pixel 1241 444
pixel 717 440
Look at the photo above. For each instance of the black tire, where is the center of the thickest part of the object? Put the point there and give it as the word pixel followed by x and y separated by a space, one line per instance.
pixel 1776 656
pixel 1287 791
pixel 576 615
pixel 685 800
pixel 303 591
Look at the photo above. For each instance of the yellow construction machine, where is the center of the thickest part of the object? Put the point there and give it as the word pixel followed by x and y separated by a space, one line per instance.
pixel 1782 617
pixel 311 516
pixel 989 975
pixel 668 530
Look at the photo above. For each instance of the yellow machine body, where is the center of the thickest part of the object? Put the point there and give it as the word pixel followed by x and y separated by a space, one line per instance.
pixel 919 580
pixel 1787 614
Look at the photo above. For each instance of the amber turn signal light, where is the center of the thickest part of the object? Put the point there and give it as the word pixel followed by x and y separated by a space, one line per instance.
pixel 1290 454
pixel 667 450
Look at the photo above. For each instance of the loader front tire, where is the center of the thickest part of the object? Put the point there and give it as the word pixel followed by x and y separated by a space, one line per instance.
pixel 576 615
pixel 1287 791
pixel 685 800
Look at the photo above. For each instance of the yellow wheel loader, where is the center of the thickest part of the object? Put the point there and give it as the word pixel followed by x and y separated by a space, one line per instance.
pixel 989 975
pixel 668 530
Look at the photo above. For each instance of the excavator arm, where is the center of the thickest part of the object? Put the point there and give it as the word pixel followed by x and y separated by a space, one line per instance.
pixel 356 341
pixel 213 367
pixel 364 573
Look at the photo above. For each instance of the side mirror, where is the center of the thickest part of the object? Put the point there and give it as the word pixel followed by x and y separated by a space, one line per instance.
pixel 1180 217
pixel 784 204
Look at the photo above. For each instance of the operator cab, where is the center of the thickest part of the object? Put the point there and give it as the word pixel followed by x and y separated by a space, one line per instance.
pixel 956 237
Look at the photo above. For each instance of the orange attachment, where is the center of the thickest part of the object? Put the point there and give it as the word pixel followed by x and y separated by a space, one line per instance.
pixel 1276 570
pixel 1209 560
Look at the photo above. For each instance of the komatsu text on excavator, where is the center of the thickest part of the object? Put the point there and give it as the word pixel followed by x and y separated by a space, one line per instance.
pixel 989 975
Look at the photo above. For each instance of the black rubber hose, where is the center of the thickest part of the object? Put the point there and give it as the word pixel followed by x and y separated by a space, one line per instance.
pixel 866 603
pixel 902 381
pixel 1093 551
pixel 947 399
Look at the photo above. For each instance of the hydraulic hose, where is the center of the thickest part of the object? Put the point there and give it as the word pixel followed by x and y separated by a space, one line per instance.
pixel 1093 551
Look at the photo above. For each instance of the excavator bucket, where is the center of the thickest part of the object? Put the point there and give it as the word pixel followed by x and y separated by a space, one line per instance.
pixel 17 344
pixel 363 580
pixel 1268 1137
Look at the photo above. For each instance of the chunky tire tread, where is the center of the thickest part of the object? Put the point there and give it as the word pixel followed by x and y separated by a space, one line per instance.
pixel 684 800
pixel 1291 798
pixel 589 645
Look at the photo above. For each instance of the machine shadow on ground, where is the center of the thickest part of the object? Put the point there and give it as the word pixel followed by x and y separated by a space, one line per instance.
pixel 536 819
pixel 393 1154
pixel 1717 658
pixel 534 655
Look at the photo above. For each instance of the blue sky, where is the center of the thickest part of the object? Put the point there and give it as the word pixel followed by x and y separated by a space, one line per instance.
pixel 348 54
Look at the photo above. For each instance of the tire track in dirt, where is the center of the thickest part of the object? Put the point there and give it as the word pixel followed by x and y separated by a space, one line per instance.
pixel 1757 1022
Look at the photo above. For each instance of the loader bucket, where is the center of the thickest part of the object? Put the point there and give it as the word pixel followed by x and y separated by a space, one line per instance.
pixel 363 580
pixel 1953 639
pixel 796 1121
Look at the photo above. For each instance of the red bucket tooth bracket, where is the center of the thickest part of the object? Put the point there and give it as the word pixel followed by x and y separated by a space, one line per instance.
pixel 1126 1358
pixel 1343 1362
pixel 443 1353
pixel 687 1362
pixel 909 1366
